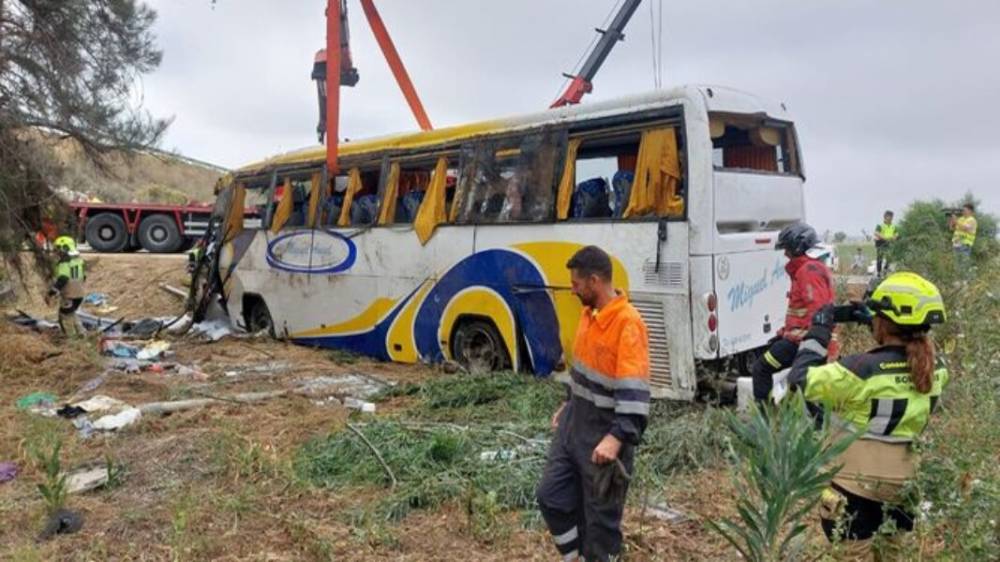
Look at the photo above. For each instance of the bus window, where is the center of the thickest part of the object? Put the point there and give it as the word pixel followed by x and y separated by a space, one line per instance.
pixel 509 180
pixel 604 171
pixel 330 206
pixel 746 143
pixel 364 207
pixel 414 179
pixel 300 202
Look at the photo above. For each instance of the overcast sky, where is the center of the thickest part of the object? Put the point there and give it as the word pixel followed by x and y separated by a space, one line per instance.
pixel 893 100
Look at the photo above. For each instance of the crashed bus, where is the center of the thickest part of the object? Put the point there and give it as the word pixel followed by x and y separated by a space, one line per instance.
pixel 451 244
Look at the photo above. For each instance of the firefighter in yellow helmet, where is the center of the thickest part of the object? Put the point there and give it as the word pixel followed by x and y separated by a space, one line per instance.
pixel 887 394
pixel 67 282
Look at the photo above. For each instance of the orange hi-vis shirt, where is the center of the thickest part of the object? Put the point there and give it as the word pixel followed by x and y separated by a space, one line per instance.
pixel 609 378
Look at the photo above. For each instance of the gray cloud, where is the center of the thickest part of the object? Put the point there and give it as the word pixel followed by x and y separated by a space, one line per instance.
pixel 892 99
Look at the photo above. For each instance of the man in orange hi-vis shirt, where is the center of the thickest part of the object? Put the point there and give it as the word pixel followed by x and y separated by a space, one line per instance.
pixel 582 492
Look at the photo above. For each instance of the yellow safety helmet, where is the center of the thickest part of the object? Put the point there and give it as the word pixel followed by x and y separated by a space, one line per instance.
pixel 908 299
pixel 66 244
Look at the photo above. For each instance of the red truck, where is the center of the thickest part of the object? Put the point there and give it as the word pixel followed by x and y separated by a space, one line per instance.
pixel 121 227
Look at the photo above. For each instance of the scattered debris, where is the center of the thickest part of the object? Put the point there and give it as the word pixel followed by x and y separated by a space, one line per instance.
pixel 118 421
pixel 664 513
pixel 100 403
pixel 212 330
pixel 118 348
pixel 96 299
pixel 86 479
pixel 174 290
pixel 36 400
pixel 70 412
pixel 145 328
pixel 91 385
pixel 498 455
pixel 153 350
pixel 354 384
pixel 8 471
pixel 85 429
pixel 359 405
pixel 62 522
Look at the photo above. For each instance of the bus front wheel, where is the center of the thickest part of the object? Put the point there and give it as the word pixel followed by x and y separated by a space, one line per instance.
pixel 478 346
pixel 258 317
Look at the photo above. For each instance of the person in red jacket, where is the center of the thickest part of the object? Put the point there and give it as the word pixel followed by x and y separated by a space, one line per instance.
pixel 812 288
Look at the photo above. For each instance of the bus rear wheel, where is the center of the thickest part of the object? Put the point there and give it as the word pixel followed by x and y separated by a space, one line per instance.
pixel 478 346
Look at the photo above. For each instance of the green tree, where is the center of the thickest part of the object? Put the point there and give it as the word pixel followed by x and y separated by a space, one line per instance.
pixel 68 68
pixel 839 237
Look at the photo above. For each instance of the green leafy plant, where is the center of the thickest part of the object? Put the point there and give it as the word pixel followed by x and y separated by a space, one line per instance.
pixel 53 488
pixel 783 465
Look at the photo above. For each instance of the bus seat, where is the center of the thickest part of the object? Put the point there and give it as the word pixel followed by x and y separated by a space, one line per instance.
pixel 364 210
pixel 331 210
pixel 406 211
pixel 590 200
pixel 621 188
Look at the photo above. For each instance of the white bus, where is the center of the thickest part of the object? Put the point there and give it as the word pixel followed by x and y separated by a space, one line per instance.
pixel 451 244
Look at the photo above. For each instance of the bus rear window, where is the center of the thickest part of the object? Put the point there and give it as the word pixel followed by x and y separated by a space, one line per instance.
pixel 753 144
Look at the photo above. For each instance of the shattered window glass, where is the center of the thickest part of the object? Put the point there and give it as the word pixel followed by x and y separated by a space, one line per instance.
pixel 510 180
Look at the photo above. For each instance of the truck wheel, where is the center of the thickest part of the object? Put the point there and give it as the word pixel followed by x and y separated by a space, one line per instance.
pixel 478 346
pixel 159 234
pixel 106 232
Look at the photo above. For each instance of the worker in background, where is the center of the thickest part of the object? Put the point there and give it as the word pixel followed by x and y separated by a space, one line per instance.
pixel 858 263
pixel 67 283
pixel 964 228
pixel 812 288
pixel 887 394
pixel 582 491
pixel 885 235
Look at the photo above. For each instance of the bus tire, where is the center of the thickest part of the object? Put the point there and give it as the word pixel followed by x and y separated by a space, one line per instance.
pixel 106 232
pixel 257 315
pixel 476 344
pixel 159 234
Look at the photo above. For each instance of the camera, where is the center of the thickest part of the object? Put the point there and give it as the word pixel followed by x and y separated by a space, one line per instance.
pixel 854 312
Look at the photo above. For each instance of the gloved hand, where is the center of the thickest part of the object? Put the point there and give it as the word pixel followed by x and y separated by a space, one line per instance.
pixel 611 482
pixel 822 325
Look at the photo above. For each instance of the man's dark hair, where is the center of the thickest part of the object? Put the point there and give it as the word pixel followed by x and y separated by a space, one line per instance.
pixel 890 214
pixel 970 207
pixel 591 260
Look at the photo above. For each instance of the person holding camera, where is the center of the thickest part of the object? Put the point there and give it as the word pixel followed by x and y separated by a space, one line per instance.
pixel 812 288
pixel 886 394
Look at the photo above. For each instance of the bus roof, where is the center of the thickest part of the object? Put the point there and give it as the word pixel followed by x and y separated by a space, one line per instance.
pixel 715 98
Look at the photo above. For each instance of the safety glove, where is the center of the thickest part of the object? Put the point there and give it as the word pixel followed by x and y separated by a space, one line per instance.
pixel 611 482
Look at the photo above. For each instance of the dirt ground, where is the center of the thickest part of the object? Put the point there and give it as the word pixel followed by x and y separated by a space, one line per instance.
pixel 217 483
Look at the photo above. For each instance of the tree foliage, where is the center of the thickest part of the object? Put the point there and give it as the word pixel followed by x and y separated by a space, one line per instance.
pixel 68 68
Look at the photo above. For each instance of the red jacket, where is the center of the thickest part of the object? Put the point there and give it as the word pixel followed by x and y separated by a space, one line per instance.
pixel 812 288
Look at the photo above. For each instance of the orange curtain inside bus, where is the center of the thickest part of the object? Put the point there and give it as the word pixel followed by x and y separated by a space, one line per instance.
pixel 432 210
pixel 568 181
pixel 657 176
pixel 316 193
pixel 284 209
pixel 234 219
pixel 353 186
pixel 751 157
pixel 387 210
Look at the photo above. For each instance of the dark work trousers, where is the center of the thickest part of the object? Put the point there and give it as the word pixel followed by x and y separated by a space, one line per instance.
pixel 881 258
pixel 581 523
pixel 863 517
pixel 778 357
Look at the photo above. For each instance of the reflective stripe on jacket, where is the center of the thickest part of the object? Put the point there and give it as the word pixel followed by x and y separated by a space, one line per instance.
pixel 812 287
pixel 609 378
pixel 963 237
pixel 871 392
pixel 69 277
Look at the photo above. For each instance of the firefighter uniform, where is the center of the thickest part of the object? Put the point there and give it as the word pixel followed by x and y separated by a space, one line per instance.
pixel 812 288
pixel 68 277
pixel 608 393
pixel 872 393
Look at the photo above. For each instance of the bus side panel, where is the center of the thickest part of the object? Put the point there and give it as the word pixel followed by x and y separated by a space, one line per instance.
pixel 752 289
pixel 659 291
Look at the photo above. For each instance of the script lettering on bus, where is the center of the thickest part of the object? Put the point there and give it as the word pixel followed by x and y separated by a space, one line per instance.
pixel 743 293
